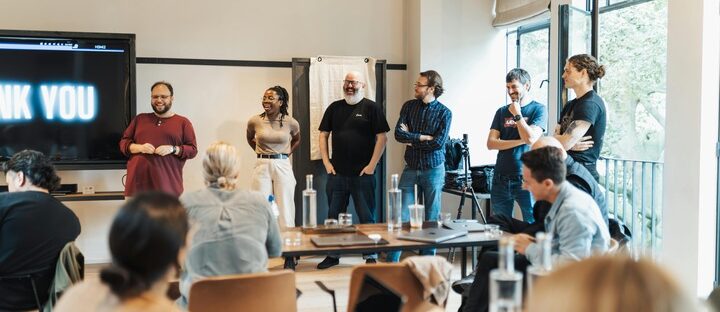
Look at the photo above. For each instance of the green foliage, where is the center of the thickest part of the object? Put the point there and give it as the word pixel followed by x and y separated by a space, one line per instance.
pixel 633 47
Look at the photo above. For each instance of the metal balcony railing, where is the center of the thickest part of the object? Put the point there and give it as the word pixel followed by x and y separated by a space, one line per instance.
pixel 633 192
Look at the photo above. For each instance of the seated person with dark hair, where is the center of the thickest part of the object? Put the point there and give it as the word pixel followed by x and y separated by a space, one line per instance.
pixel 574 221
pixel 34 227
pixel 147 242
pixel 575 174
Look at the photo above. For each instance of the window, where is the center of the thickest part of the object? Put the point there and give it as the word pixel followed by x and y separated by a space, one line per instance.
pixel 631 41
pixel 528 47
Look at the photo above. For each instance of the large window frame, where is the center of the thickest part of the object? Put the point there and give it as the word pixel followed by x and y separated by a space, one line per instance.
pixel 517 34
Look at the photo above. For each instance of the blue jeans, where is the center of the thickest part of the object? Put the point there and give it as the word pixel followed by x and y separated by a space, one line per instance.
pixel 506 189
pixel 339 188
pixel 430 183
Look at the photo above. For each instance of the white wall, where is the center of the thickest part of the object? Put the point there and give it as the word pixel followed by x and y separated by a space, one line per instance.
pixel 456 38
pixel 691 126
pixel 218 100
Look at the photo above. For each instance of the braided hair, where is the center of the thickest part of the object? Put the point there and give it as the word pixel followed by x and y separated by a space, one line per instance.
pixel 283 97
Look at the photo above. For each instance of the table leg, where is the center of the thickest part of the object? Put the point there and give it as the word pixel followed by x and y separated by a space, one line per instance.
pixel 463 262
pixel 290 263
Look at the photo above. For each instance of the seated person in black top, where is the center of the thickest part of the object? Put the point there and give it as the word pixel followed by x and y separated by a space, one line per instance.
pixel 34 227
pixel 575 173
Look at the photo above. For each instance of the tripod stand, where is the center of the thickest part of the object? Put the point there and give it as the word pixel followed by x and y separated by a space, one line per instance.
pixel 465 187
pixel 475 204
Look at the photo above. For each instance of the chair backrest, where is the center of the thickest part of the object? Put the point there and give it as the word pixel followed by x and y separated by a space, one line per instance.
pixel 69 270
pixel 395 275
pixel 269 291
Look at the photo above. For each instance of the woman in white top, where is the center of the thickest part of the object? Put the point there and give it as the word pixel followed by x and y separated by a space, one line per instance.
pixel 274 135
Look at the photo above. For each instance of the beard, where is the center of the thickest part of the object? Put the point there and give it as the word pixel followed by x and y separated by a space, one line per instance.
pixel 354 99
pixel 165 109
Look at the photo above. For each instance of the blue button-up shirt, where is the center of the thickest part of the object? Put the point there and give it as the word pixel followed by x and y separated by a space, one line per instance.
pixel 429 119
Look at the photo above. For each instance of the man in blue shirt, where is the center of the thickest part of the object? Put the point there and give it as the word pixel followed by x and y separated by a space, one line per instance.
pixel 574 222
pixel 423 126
pixel 515 127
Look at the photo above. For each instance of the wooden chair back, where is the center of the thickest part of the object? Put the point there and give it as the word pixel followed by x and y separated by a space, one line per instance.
pixel 396 276
pixel 269 291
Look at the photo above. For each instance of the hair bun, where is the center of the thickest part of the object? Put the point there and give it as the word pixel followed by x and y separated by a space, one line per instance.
pixel 601 71
pixel 121 282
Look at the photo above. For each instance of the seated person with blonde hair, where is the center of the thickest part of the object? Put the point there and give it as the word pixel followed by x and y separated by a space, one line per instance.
pixel 609 284
pixel 236 229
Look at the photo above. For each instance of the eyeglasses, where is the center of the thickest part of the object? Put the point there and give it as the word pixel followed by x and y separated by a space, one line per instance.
pixel 164 97
pixel 352 82
pixel 417 85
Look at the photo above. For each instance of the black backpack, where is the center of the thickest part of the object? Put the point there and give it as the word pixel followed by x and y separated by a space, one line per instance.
pixel 482 177
pixel 453 155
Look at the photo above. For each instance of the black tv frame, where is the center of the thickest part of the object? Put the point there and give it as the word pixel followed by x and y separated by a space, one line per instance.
pixel 91 165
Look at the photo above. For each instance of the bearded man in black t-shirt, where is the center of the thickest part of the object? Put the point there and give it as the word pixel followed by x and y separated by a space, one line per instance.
pixel 358 127
pixel 34 227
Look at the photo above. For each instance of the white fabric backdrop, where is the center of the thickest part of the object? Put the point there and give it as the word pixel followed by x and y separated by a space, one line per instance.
pixel 326 82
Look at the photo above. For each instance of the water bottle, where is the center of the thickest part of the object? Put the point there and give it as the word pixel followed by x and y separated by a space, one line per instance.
pixel 274 206
pixel 309 204
pixel 535 272
pixel 505 282
pixel 394 205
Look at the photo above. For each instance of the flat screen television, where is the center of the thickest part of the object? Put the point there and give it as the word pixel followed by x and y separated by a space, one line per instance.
pixel 69 95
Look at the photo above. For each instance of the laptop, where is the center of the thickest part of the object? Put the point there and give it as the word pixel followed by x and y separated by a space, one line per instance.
pixel 467 225
pixel 434 235
pixel 343 240
pixel 375 296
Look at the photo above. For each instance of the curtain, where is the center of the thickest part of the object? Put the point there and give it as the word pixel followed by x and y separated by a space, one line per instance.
pixel 512 11
pixel 326 81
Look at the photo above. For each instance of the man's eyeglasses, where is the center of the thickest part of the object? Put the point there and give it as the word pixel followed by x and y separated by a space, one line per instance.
pixel 416 85
pixel 355 83
pixel 164 97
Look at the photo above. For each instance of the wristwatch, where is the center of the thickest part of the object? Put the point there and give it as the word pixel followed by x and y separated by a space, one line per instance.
pixel 517 118
pixel 174 150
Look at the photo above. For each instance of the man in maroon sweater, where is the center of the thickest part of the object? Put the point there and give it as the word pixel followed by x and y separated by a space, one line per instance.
pixel 158 144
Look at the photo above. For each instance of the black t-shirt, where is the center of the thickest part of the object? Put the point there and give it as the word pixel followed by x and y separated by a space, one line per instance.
pixel 591 108
pixel 353 129
pixel 34 227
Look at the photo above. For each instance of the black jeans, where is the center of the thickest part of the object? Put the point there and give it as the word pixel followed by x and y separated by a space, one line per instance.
pixel 477 297
pixel 339 188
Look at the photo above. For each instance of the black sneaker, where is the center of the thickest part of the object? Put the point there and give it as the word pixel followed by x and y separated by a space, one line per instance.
pixel 328 262
pixel 370 261
pixel 464 283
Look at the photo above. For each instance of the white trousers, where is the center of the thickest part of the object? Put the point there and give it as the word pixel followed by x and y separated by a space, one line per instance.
pixel 275 176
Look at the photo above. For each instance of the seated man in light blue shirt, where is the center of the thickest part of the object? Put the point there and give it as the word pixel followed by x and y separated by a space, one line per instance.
pixel 574 221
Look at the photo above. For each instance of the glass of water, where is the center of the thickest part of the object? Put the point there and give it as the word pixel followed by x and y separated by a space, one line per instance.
pixel 444 218
pixel 417 215
pixel 345 219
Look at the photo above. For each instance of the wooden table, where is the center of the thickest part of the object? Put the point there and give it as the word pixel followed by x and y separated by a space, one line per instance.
pixel 118 195
pixel 306 247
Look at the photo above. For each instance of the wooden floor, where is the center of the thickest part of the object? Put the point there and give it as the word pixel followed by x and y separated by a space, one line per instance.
pixel 337 278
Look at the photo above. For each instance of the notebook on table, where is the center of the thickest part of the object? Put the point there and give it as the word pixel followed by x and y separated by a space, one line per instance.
pixel 435 235
pixel 469 226
pixel 345 240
